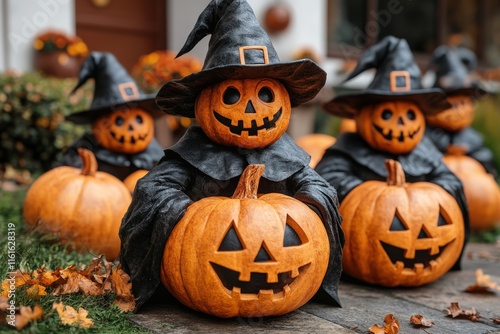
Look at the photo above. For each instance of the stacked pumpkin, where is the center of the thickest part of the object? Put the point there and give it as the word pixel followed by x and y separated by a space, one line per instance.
pixel 82 208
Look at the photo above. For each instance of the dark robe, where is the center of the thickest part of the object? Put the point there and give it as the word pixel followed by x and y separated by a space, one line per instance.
pixel 196 168
pixel 118 164
pixel 351 161
pixel 468 138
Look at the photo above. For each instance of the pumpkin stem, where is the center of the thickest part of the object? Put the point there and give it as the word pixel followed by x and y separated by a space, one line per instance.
pixel 396 173
pixel 249 182
pixel 89 163
pixel 456 150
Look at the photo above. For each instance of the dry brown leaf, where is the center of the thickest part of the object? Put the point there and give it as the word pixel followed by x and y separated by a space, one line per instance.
pixel 456 312
pixel 4 303
pixel 420 321
pixel 496 321
pixel 69 316
pixel 125 305
pixel 391 326
pixel 483 284
pixel 36 291
pixel 121 286
pixel 26 315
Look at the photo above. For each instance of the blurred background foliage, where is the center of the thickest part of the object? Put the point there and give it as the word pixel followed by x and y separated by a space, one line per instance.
pixel 33 130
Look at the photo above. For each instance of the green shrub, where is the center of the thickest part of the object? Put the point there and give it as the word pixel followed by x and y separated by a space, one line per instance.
pixel 32 110
pixel 487 121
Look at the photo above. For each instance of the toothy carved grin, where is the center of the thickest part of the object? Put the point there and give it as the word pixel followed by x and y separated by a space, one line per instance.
pixel 253 129
pixel 133 140
pixel 401 136
pixel 422 260
pixel 258 283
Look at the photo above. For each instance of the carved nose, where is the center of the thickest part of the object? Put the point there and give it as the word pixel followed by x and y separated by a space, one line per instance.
pixel 400 121
pixel 130 128
pixel 249 109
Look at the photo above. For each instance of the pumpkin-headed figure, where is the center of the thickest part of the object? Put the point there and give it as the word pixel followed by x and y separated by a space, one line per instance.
pixel 128 131
pixel 246 255
pixel 456 118
pixel 412 236
pixel 396 127
pixel 249 113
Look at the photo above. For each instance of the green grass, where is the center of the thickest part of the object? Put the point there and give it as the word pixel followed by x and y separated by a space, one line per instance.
pixel 33 251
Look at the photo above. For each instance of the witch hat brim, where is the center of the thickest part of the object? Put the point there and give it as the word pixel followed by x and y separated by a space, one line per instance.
pixel 397 78
pixel 302 79
pixel 238 49
pixel 114 89
pixel 430 101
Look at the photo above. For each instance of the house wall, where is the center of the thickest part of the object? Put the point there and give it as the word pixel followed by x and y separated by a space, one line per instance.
pixel 22 20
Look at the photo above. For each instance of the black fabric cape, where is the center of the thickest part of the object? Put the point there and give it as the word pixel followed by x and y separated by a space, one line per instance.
pixel 196 168
pixel 468 138
pixel 118 164
pixel 351 161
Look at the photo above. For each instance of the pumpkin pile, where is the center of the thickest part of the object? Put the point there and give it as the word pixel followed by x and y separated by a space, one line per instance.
pixel 398 233
pixel 249 255
pixel 80 207
pixel 481 190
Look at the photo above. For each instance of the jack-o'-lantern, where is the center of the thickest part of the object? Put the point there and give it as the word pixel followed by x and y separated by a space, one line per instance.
pixel 249 113
pixel 400 234
pixel 456 118
pixel 481 190
pixel 247 255
pixel 395 127
pixel 128 131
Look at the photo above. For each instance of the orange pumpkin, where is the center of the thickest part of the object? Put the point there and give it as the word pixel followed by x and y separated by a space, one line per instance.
pixel 315 145
pixel 395 127
pixel 481 190
pixel 400 234
pixel 347 125
pixel 249 113
pixel 81 207
pixel 247 255
pixel 131 180
pixel 456 118
pixel 128 131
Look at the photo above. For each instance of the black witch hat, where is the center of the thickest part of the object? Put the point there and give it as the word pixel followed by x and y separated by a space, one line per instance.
pixel 397 78
pixel 239 48
pixel 453 67
pixel 114 89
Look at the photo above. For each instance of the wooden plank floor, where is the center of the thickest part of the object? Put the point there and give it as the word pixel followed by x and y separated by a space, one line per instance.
pixel 363 306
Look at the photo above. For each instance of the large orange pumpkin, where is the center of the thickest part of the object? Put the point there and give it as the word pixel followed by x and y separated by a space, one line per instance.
pixel 249 113
pixel 128 131
pixel 481 190
pixel 396 127
pixel 315 144
pixel 81 207
pixel 247 255
pixel 400 234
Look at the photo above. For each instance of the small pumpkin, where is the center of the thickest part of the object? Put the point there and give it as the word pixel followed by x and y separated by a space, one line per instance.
pixel 128 131
pixel 396 127
pixel 247 255
pixel 81 207
pixel 400 234
pixel 347 125
pixel 131 180
pixel 481 190
pixel 456 118
pixel 315 145
pixel 248 113
pixel 277 18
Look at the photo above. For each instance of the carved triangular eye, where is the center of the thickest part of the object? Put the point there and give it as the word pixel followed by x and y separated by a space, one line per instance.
pixel 397 224
pixel 231 241
pixel 442 221
pixel 294 235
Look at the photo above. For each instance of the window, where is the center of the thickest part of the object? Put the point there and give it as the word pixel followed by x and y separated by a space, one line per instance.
pixel 354 25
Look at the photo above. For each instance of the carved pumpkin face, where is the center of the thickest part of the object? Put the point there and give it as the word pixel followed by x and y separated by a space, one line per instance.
pixel 248 113
pixel 394 127
pixel 246 256
pixel 125 131
pixel 417 238
pixel 458 117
